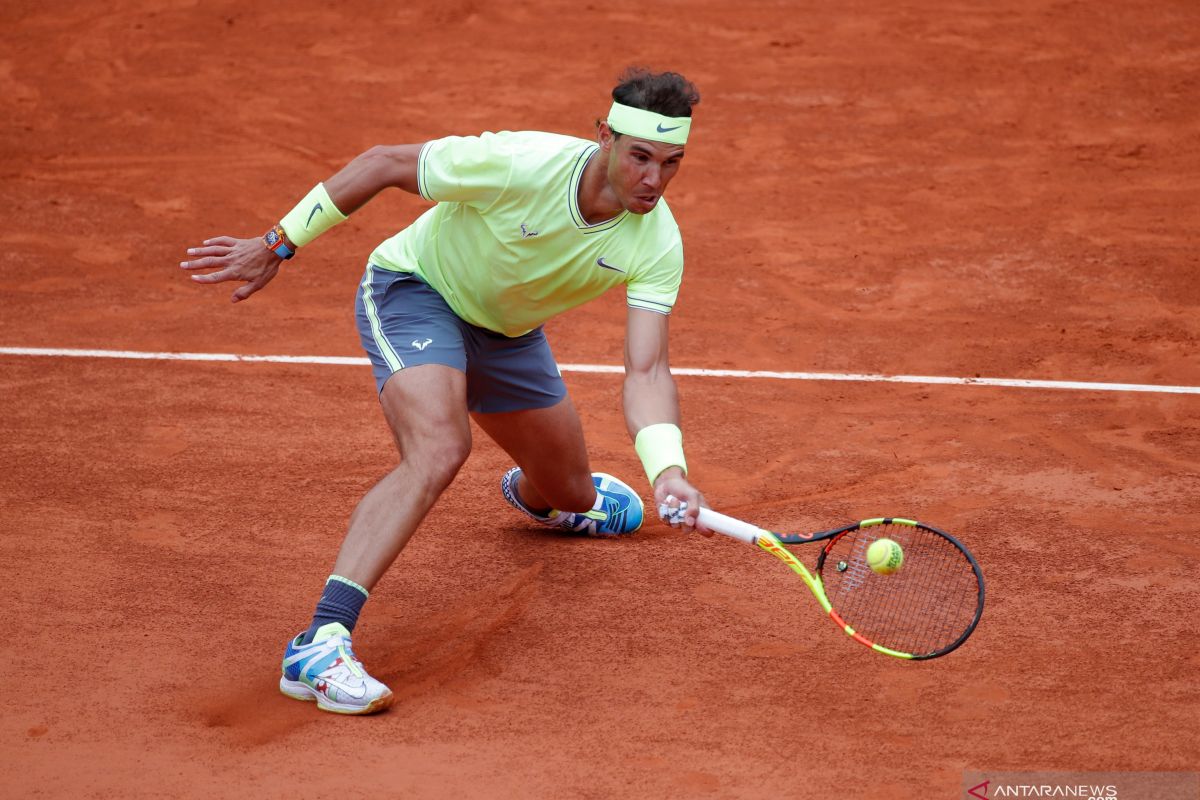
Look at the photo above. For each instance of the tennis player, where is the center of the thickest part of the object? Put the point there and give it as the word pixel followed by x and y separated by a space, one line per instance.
pixel 450 310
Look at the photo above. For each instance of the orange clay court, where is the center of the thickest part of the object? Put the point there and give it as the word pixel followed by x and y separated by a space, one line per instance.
pixel 1005 190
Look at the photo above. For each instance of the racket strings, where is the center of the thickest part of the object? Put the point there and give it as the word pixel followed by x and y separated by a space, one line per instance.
pixel 938 624
pixel 922 608
pixel 940 605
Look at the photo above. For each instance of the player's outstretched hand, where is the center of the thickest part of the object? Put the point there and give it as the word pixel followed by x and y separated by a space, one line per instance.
pixel 235 260
pixel 679 502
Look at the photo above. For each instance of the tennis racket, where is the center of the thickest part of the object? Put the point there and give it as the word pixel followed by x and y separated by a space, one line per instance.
pixel 924 610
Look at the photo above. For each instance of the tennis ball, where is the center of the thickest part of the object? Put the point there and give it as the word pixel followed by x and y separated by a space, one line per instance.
pixel 884 556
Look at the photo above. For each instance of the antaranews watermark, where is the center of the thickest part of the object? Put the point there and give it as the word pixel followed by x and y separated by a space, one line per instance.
pixel 986 785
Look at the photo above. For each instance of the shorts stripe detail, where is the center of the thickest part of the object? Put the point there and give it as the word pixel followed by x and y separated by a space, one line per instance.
pixel 385 347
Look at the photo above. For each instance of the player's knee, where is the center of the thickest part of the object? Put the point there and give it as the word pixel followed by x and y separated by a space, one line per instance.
pixel 441 459
pixel 448 460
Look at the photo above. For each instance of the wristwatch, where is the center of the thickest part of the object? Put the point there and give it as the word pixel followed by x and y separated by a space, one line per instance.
pixel 274 241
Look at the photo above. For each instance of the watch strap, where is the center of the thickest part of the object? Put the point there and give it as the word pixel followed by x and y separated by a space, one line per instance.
pixel 274 241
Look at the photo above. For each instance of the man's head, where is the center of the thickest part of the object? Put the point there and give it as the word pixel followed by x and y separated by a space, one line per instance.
pixel 643 159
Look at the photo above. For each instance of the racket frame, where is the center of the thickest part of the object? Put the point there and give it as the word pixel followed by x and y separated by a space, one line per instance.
pixel 774 544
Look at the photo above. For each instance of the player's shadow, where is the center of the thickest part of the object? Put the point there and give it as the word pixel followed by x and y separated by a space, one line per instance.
pixel 447 643
pixel 421 657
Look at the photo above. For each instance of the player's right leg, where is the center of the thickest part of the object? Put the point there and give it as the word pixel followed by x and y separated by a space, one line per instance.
pixel 423 395
pixel 425 407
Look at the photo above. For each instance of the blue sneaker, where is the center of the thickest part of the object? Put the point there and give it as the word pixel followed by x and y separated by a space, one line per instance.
pixel 327 671
pixel 618 510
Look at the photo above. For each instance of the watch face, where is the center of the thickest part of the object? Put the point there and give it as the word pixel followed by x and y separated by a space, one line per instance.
pixel 272 238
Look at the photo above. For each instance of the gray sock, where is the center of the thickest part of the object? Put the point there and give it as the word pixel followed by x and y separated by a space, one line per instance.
pixel 342 601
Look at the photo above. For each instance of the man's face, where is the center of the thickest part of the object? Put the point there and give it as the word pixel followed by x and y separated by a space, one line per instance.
pixel 638 169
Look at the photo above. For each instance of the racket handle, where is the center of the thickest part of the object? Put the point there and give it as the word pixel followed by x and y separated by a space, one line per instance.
pixel 733 528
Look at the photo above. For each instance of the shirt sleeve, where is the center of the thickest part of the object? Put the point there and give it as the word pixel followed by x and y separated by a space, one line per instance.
pixel 657 287
pixel 465 169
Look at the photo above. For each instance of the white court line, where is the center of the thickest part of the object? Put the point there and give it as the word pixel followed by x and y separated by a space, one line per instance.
pixel 1017 383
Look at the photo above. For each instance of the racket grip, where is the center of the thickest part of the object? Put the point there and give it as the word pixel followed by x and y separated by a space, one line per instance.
pixel 733 528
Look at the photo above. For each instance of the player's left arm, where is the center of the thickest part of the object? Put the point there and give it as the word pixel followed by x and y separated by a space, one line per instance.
pixel 650 398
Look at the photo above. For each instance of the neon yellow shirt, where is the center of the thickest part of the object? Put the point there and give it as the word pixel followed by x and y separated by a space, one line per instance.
pixel 506 245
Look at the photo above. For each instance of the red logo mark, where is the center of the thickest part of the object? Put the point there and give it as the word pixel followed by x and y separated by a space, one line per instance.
pixel 972 792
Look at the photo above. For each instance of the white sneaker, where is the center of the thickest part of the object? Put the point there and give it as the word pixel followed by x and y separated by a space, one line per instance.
pixel 327 671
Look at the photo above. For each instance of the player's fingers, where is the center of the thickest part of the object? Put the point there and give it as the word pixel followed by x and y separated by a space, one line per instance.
pixel 673 511
pixel 253 286
pixel 692 518
pixel 664 508
pixel 247 290
pixel 226 274
pixel 208 262
pixel 212 250
pixel 227 241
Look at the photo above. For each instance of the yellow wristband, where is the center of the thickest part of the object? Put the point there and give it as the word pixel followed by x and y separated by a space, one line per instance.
pixel 660 447
pixel 314 215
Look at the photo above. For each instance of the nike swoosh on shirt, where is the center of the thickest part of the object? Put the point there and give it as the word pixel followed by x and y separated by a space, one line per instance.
pixel 313 214
pixel 602 263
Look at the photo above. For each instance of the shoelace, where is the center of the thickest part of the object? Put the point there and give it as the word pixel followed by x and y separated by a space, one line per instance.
pixel 332 644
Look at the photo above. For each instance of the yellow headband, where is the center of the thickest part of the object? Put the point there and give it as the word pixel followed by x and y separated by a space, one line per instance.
pixel 649 125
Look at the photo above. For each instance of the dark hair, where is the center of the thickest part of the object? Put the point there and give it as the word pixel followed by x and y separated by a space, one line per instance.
pixel 666 93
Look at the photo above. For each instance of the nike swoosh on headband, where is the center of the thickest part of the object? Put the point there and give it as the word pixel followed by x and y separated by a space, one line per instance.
pixel 661 129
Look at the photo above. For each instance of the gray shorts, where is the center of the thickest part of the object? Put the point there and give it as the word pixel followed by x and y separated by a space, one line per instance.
pixel 403 322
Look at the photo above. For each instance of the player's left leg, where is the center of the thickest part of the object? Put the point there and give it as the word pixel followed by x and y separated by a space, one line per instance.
pixel 547 444
pixel 551 482
pixel 516 394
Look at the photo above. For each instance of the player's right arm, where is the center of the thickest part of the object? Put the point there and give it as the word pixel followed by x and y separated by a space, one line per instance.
pixel 251 260
pixel 381 167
